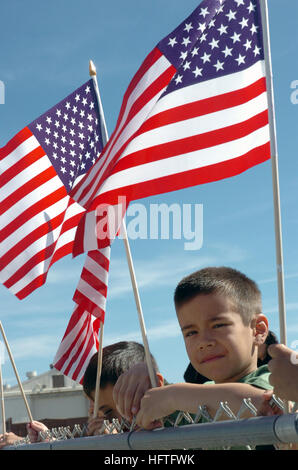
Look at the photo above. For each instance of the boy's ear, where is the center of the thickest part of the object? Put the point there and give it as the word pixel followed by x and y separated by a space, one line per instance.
pixel 160 379
pixel 261 329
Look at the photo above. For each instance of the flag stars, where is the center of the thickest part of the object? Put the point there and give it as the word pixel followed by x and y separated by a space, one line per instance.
pixel 257 51
pixel 231 15
pixel 197 72
pixel 49 119
pixel 213 43
pixel 87 89
pixel 219 65
pixel 183 56
pixel 63 150
pixel 84 101
pixel 222 29
pixel 251 7
pixel 62 169
pixel 64 128
pixel 172 42
pixel 48 131
pixel 227 51
pixel 239 2
pixel 244 23
pixel 236 37
pixel 186 41
pixel 188 27
pixel 91 105
pixel 178 79
pixel 74 109
pixel 57 124
pixel 204 12
pixel 67 105
pixel 203 37
pixel 211 23
pixel 195 51
pixel 247 45
pixel 47 141
pixel 65 117
pixel 206 57
pixel 186 65
pixel 63 160
pixel 39 127
pixel 202 27
pixel 254 29
pixel 58 112
pixel 77 98
pixel 240 59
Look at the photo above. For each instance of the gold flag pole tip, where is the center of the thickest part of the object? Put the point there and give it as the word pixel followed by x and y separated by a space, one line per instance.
pixel 92 69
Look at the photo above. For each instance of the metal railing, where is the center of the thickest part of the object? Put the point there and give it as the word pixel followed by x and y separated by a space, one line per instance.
pixel 232 432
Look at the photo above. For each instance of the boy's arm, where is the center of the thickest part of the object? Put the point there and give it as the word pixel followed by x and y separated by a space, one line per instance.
pixel 160 402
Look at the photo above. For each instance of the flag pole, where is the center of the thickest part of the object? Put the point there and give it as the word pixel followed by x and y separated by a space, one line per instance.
pixel 16 373
pixel 2 401
pixel 98 373
pixel 92 71
pixel 275 178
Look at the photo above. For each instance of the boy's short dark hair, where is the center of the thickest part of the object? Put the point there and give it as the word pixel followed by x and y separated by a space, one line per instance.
pixel 117 358
pixel 241 290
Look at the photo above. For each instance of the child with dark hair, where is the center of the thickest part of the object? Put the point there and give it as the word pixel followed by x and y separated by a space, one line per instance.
pixel 192 376
pixel 117 359
pixel 219 310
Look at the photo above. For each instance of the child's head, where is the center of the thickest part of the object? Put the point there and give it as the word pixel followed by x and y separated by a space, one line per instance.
pixel 116 359
pixel 219 311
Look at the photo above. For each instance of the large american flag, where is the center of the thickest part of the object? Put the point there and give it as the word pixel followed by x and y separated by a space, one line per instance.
pixel 80 340
pixel 39 166
pixel 196 111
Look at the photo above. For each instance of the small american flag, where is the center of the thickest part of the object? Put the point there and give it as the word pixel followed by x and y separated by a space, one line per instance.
pixel 195 112
pixel 39 166
pixel 80 340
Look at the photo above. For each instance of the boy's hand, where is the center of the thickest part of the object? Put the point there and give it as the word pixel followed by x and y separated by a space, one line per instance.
pixel 155 405
pixel 8 439
pixel 266 409
pixel 95 426
pixel 284 372
pixel 129 390
pixel 33 430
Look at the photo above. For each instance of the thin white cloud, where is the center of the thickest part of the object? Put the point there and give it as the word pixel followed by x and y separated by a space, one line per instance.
pixel 168 269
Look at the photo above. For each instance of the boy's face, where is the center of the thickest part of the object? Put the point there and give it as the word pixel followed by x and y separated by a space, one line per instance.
pixel 106 404
pixel 218 343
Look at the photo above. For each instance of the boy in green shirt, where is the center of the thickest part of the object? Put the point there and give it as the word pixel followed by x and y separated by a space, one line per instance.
pixel 220 314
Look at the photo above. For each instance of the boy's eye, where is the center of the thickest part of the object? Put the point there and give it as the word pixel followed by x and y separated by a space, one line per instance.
pixel 190 333
pixel 218 325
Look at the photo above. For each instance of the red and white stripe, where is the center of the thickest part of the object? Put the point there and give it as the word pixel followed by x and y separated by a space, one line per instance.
pixel 80 340
pixel 38 218
pixel 197 134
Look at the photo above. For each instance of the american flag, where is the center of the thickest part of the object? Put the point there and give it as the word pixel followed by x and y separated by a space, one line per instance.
pixel 80 340
pixel 195 112
pixel 39 166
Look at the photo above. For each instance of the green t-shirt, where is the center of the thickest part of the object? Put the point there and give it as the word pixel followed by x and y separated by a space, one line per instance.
pixel 259 378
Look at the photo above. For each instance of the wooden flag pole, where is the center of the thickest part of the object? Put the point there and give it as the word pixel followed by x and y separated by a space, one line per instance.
pixel 92 71
pixel 275 179
pixel 98 374
pixel 16 373
pixel 2 401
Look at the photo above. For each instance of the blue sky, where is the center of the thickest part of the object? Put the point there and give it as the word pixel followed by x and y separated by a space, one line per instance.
pixel 44 55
